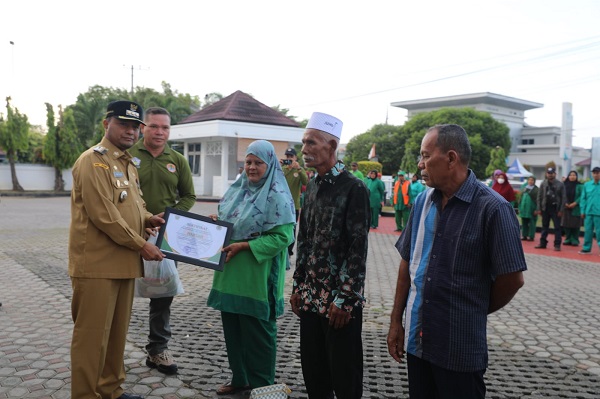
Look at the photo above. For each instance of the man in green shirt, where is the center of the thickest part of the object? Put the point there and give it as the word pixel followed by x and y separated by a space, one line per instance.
pixel 416 188
pixel 296 177
pixel 356 172
pixel 166 181
pixel 376 193
pixel 590 210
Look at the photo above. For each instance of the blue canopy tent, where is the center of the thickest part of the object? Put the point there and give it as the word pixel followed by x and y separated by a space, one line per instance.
pixel 516 169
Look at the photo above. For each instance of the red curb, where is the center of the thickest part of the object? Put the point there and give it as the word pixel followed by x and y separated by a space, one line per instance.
pixel 387 225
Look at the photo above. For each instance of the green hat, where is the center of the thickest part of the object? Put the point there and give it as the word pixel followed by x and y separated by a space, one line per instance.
pixel 401 172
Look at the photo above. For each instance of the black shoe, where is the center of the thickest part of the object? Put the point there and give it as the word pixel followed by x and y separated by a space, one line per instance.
pixel 583 252
pixel 557 247
pixel 125 395
pixel 540 246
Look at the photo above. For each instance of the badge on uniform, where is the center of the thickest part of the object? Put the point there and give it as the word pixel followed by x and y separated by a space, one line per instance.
pixel 100 165
pixel 101 150
pixel 136 162
pixel 123 196
pixel 171 168
pixel 118 173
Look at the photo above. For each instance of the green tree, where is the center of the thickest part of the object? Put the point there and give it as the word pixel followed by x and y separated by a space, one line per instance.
pixel 35 144
pixel 286 111
pixel 178 104
pixel 484 133
pixel 89 110
pixel 14 137
pixel 61 147
pixel 211 98
pixel 389 140
pixel 409 161
pixel 497 160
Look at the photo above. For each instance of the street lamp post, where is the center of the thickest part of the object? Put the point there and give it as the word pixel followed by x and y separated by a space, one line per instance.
pixel 12 80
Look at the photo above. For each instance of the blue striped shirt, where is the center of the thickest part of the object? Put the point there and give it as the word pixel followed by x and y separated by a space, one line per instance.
pixel 454 256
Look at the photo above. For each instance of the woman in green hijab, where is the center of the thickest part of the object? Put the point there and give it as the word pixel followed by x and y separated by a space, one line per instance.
pixel 249 291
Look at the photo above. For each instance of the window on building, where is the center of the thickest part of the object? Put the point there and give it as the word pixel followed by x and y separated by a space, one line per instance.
pixel 194 157
pixel 527 142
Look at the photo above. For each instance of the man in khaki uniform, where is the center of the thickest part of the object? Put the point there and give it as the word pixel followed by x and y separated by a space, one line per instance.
pixel 108 218
pixel 296 177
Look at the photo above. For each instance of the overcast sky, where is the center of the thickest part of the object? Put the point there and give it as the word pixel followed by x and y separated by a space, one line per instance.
pixel 347 58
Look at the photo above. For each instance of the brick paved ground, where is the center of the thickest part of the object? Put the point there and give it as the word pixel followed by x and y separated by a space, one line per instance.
pixel 545 344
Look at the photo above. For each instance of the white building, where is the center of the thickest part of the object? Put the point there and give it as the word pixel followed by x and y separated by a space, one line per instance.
pixel 216 138
pixel 533 146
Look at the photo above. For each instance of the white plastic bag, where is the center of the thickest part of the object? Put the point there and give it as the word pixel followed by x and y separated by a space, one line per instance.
pixel 277 391
pixel 160 278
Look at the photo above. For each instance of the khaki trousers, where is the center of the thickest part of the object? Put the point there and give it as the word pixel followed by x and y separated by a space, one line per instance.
pixel 101 310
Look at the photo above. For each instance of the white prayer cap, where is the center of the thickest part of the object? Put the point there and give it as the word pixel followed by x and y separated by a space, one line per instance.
pixel 326 123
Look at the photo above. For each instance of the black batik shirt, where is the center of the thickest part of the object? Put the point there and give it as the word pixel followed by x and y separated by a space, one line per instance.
pixel 333 242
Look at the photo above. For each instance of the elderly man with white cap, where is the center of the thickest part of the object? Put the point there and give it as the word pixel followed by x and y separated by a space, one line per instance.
pixel 330 269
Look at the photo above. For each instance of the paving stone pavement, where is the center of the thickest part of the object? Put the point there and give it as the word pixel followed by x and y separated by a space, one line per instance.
pixel 544 344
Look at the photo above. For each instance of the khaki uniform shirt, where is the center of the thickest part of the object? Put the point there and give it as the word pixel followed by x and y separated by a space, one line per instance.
pixel 108 215
pixel 295 178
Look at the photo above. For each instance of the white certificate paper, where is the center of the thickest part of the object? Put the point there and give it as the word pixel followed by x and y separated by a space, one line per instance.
pixel 194 238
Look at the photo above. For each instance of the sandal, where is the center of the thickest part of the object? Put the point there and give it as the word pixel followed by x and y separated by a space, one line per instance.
pixel 229 389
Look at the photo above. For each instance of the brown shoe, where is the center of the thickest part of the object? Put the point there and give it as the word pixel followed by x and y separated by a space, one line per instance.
pixel 163 362
pixel 229 389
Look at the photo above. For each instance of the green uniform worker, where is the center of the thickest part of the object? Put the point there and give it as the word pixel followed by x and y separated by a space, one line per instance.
pixel 376 192
pixel 106 239
pixel 527 208
pixel 356 172
pixel 401 201
pixel 416 188
pixel 166 181
pixel 590 210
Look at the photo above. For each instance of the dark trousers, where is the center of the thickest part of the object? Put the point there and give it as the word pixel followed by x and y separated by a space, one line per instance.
pixel 332 360
pixel 291 247
pixel 427 381
pixel 547 215
pixel 160 326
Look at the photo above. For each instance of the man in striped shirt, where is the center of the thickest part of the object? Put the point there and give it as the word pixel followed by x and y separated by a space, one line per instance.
pixel 462 259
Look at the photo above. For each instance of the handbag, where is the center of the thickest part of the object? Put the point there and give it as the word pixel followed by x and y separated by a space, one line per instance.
pixel 277 391
pixel 160 280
